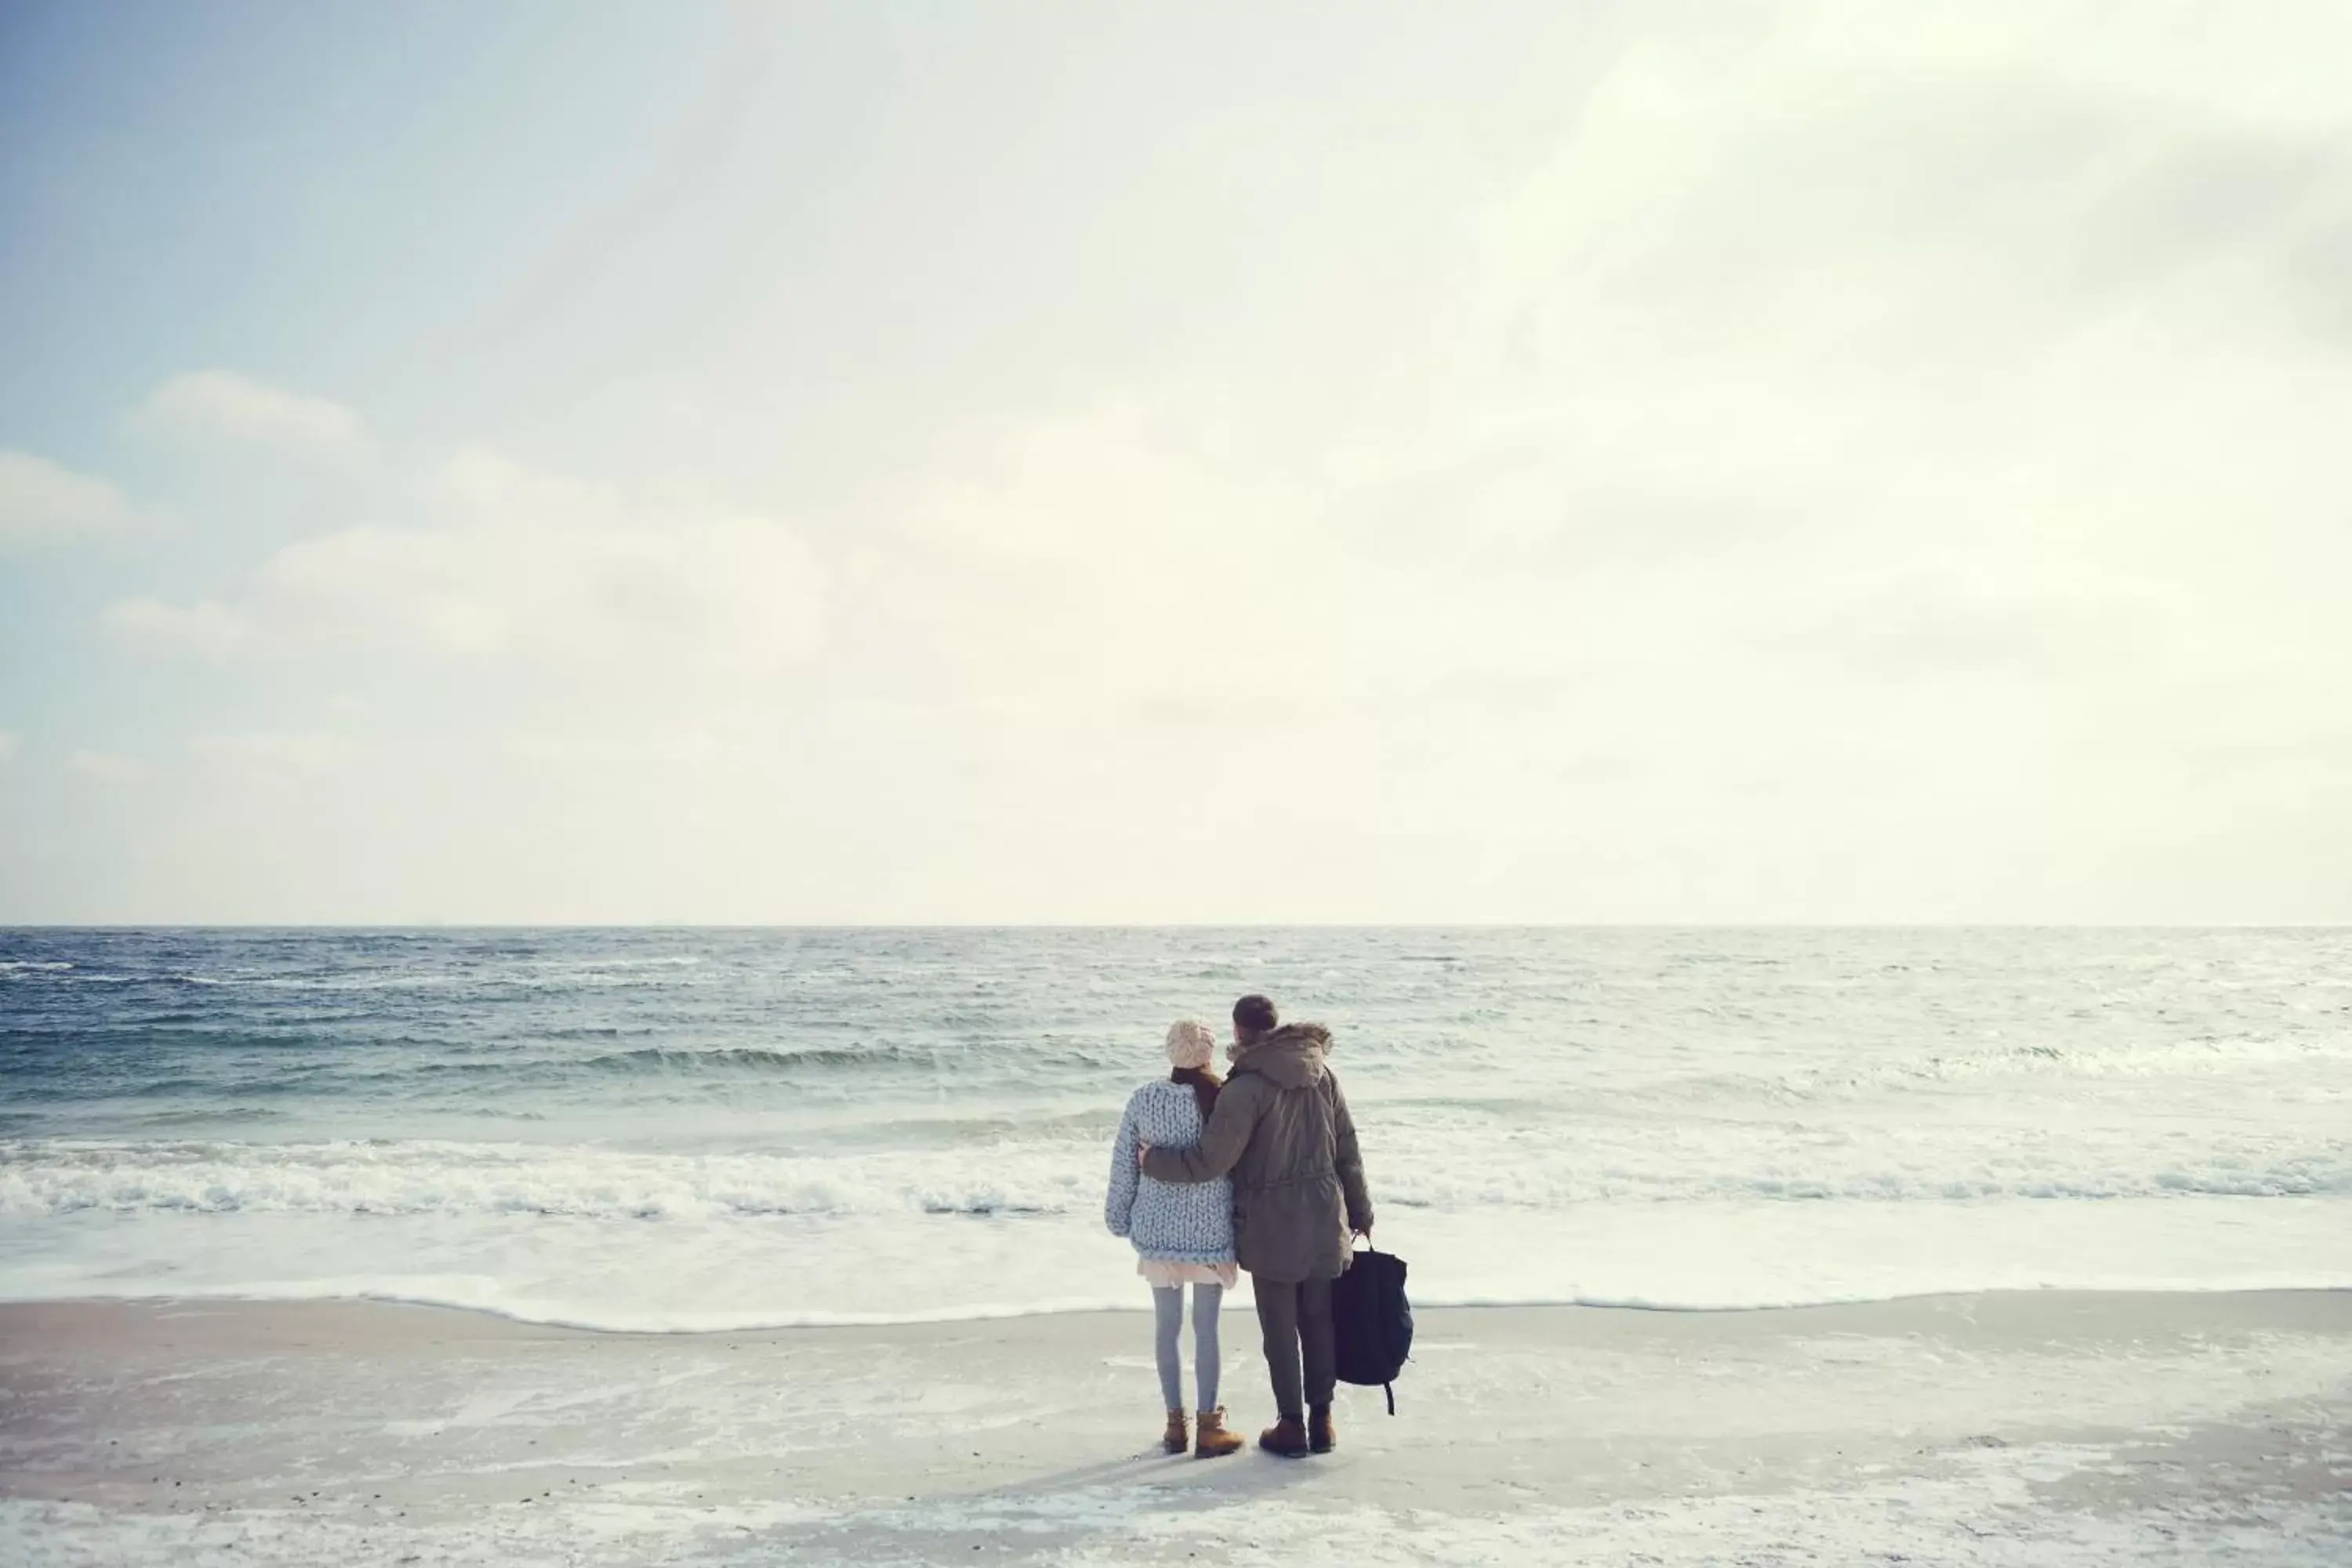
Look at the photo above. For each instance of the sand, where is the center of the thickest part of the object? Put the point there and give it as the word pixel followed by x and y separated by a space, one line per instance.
pixel 2041 1428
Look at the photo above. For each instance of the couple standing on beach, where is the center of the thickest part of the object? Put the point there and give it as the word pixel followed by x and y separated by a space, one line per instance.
pixel 1258 1170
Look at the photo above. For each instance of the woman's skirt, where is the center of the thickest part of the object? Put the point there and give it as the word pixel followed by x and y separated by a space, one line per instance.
pixel 1162 1275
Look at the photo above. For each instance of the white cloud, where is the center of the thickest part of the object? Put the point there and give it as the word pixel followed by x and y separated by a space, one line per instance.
pixel 513 565
pixel 1077 560
pixel 695 748
pixel 106 767
pixel 41 501
pixel 517 565
pixel 220 406
pixel 276 753
pixel 205 627
pixel 1859 435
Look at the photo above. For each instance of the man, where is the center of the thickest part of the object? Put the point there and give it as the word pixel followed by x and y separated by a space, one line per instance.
pixel 1281 1128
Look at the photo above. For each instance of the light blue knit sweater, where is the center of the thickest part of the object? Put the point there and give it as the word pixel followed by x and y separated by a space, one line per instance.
pixel 1171 1222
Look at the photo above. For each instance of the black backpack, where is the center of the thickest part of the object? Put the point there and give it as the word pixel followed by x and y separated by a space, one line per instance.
pixel 1372 1323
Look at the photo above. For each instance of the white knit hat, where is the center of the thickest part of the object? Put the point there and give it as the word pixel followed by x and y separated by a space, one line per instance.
pixel 1189 1043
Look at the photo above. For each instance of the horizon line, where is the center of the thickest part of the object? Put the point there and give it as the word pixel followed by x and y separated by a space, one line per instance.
pixel 1168 925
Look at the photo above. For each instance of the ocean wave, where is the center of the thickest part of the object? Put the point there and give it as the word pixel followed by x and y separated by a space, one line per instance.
pixel 211 1116
pixel 617 973
pixel 752 1058
pixel 777 1301
pixel 433 1177
pixel 758 1059
pixel 1061 1178
pixel 1998 1066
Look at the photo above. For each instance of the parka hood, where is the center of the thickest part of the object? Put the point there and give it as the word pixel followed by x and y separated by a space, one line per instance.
pixel 1291 1056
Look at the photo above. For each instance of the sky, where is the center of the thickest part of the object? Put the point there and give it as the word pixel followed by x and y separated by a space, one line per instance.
pixel 1825 462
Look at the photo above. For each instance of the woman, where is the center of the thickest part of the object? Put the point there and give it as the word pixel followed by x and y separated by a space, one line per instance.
pixel 1183 1235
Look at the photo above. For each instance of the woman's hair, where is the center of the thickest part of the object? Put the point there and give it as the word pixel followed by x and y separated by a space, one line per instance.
pixel 1203 1083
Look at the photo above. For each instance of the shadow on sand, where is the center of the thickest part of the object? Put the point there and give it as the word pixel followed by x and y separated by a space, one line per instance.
pixel 1178 1480
pixel 1102 1510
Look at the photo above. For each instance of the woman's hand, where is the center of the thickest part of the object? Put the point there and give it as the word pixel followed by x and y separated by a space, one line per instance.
pixel 1142 1149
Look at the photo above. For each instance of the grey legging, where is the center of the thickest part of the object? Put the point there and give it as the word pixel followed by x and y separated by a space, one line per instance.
pixel 1168 1305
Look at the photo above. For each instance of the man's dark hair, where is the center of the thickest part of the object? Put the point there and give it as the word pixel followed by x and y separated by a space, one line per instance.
pixel 1254 1014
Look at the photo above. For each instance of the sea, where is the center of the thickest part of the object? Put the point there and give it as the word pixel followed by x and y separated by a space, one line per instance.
pixel 692 1128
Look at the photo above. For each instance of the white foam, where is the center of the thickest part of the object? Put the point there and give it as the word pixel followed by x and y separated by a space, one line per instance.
pixel 1426 1161
pixel 788 1271
pixel 425 1176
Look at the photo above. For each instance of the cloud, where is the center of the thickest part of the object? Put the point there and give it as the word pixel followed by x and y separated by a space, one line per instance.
pixel 204 627
pixel 1982 350
pixel 515 566
pixel 221 406
pixel 41 501
pixel 8 744
pixel 276 754
pixel 106 767
pixel 1856 434
pixel 1076 558
pixel 2005 617
pixel 695 748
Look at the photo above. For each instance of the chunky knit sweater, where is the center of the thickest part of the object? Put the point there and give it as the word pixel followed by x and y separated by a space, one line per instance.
pixel 1168 1221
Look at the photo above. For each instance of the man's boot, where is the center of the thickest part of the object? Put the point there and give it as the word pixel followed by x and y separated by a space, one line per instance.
pixel 1285 1439
pixel 1320 1435
pixel 1215 1440
pixel 1173 1439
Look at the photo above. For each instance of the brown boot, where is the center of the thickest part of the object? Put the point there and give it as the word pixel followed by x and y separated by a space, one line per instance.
pixel 1320 1435
pixel 1285 1439
pixel 1174 1439
pixel 1215 1440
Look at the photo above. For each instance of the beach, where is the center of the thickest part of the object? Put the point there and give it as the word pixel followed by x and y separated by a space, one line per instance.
pixel 2007 1427
pixel 651 1247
